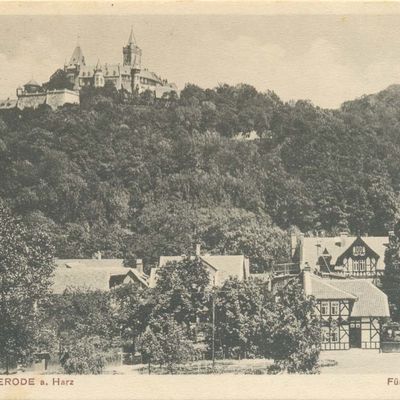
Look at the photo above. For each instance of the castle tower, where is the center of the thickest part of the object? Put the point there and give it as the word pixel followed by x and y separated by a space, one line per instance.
pixel 98 77
pixel 132 53
pixel 73 67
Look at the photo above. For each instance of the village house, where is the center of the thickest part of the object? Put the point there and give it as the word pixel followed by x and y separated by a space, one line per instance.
pixel 347 256
pixel 220 267
pixel 351 311
pixel 95 274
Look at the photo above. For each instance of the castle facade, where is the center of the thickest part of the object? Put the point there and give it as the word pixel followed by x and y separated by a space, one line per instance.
pixel 130 75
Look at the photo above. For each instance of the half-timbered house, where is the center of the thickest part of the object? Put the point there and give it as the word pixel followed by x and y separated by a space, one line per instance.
pixel 350 256
pixel 351 311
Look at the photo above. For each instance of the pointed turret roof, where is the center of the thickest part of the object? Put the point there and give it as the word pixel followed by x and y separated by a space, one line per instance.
pixel 131 39
pixel 77 57
pixel 98 66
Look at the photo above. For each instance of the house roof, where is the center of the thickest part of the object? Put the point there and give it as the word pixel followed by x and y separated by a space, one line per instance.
pixel 313 248
pixel 322 289
pixel 90 274
pixel 369 301
pixel 225 265
pixel 115 70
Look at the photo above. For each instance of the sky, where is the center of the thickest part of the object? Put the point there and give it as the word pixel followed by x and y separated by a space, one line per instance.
pixel 327 59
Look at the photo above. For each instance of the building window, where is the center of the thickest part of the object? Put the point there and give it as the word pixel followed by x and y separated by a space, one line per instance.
pixel 324 308
pixel 359 250
pixel 361 264
pixel 325 334
pixel 355 266
pixel 335 335
pixel 335 308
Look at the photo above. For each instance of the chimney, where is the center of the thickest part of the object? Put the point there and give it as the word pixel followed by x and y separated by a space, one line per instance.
pixel 139 265
pixel 198 249
pixel 343 237
pixel 301 251
pixel 293 244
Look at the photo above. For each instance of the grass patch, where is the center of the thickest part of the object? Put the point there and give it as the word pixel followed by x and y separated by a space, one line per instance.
pixel 260 367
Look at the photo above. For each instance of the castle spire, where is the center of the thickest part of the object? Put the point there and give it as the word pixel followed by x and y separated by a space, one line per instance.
pixel 131 39
pixel 98 66
pixel 77 57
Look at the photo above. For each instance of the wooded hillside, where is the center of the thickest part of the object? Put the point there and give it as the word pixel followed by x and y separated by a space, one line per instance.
pixel 141 178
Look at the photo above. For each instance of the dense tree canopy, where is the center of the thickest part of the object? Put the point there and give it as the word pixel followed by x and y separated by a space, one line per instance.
pixel 145 177
pixel 26 266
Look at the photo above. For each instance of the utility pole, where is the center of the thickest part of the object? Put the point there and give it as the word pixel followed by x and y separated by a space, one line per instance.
pixel 213 329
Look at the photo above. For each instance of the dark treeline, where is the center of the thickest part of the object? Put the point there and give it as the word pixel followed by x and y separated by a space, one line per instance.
pixel 141 178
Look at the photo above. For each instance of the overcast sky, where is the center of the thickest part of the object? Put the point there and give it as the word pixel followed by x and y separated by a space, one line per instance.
pixel 327 59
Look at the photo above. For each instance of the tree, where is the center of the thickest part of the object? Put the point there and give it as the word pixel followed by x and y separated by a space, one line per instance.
pixel 81 313
pixel 180 291
pixel 391 278
pixel 132 310
pixel 150 348
pixel 166 342
pixel 294 333
pixel 84 356
pixel 26 266
pixel 59 80
pixel 242 312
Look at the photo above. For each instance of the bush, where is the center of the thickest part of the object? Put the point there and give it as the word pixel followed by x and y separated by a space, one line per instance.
pixel 84 357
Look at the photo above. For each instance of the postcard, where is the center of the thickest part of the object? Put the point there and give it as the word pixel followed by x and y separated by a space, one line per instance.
pixel 199 200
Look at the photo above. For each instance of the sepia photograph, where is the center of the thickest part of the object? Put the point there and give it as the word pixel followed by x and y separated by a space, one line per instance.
pixel 199 200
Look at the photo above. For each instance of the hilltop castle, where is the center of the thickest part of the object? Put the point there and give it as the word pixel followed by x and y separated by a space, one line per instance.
pixel 76 74
pixel 130 76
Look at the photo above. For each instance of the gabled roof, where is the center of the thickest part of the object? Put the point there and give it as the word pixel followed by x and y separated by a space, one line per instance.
pixel 225 266
pixel 313 247
pixel 91 274
pixel 322 289
pixel 369 301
